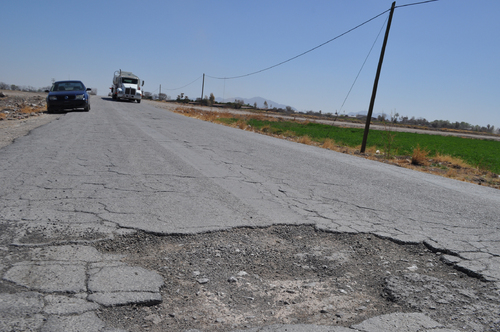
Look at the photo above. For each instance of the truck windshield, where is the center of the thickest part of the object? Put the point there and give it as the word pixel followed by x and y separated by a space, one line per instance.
pixel 129 80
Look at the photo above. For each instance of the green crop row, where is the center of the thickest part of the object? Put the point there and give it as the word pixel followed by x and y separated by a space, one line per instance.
pixel 479 153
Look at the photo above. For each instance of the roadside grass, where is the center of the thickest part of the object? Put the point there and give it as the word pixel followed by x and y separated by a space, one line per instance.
pixel 483 154
pixel 461 158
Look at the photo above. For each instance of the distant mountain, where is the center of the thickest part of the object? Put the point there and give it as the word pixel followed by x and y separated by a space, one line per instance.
pixel 251 101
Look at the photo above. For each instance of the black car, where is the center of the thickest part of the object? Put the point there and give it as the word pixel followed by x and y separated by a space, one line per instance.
pixel 68 95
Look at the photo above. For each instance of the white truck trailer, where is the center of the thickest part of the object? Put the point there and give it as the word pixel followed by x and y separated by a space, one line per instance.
pixel 126 86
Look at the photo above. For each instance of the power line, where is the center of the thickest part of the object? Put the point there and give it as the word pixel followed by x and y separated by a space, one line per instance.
pixel 323 44
pixel 410 4
pixel 182 87
pixel 304 53
pixel 416 3
pixel 363 65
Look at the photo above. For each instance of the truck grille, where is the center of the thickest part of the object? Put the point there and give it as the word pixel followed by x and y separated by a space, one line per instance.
pixel 129 91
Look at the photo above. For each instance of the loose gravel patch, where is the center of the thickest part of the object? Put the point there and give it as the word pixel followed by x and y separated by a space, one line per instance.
pixel 247 277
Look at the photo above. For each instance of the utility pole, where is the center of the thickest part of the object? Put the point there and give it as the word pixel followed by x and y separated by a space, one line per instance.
pixel 202 87
pixel 159 94
pixel 375 84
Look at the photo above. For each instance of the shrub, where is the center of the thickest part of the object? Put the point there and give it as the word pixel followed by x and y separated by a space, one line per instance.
pixel 419 156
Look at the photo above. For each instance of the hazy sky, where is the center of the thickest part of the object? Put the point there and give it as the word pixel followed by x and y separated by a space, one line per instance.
pixel 442 59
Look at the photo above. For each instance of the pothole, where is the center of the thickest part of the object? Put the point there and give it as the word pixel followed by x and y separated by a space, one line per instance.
pixel 248 277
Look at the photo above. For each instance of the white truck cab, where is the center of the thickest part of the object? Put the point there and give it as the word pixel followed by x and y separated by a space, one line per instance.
pixel 126 86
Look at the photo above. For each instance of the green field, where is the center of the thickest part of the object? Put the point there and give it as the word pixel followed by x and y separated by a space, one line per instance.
pixel 484 154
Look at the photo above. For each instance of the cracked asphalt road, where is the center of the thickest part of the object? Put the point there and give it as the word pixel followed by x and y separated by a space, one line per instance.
pixel 124 168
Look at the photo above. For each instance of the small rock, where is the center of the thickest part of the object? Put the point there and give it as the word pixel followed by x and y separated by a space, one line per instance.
pixel 232 279
pixel 203 281
pixel 309 285
pixel 326 309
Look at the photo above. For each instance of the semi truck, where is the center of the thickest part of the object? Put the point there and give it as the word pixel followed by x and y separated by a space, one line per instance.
pixel 126 86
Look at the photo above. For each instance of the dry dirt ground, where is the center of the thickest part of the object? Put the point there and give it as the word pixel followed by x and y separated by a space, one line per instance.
pixel 21 112
pixel 250 277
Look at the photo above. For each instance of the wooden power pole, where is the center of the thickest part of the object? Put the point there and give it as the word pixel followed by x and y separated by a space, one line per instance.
pixel 202 87
pixel 375 84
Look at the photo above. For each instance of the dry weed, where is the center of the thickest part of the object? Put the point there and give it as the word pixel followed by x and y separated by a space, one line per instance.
pixel 328 144
pixel 26 110
pixel 241 124
pixel 371 150
pixel 266 129
pixel 305 140
pixel 419 157
pixel 455 162
pixel 451 173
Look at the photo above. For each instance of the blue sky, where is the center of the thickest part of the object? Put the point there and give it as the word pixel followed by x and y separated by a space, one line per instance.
pixel 442 59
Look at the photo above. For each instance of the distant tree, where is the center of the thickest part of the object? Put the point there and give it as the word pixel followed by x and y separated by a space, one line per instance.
pixel 255 105
pixel 162 96
pixel 289 109
pixel 265 105
pixel 4 86
pixel 211 100
pixel 14 87
pixel 238 103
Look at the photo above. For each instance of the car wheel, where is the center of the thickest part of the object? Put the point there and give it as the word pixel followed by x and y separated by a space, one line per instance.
pixel 87 108
pixel 138 100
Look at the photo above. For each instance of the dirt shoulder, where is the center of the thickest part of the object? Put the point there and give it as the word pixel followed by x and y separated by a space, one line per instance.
pixel 20 113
